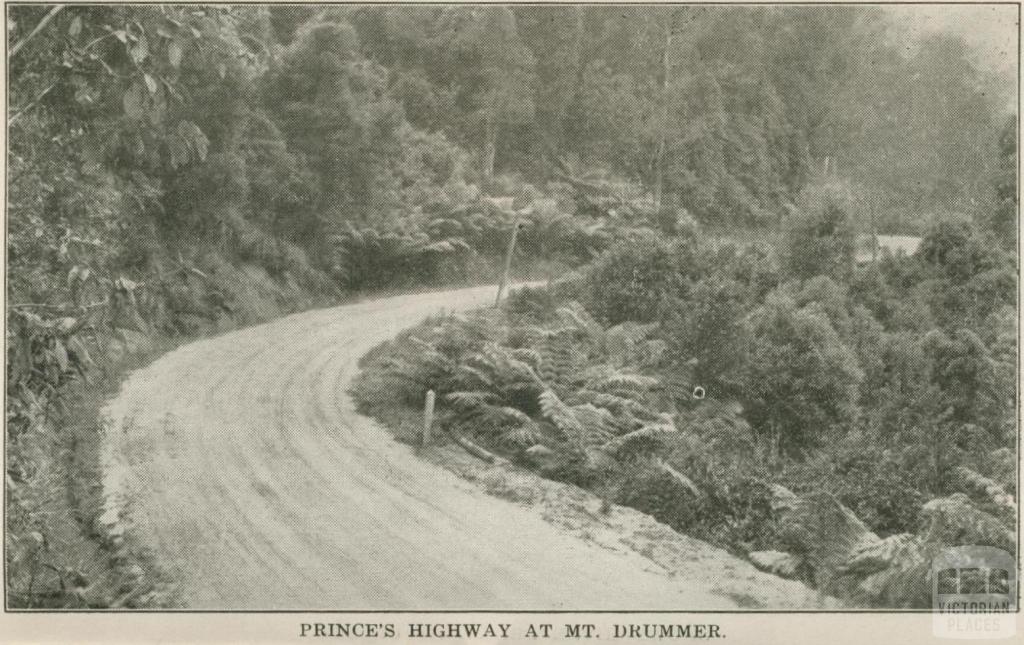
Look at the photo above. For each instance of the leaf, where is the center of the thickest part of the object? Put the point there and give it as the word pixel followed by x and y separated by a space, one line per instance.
pixel 192 137
pixel 140 50
pixel 61 354
pixel 134 101
pixel 158 107
pixel 222 70
pixel 179 151
pixel 121 35
pixel 126 284
pixel 150 83
pixel 174 54
pixel 76 27
pixel 200 144
pixel 78 348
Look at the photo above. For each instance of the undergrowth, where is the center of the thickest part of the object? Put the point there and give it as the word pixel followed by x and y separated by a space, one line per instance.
pixel 744 401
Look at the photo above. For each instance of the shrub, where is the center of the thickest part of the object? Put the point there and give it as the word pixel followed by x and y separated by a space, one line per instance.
pixel 821 238
pixel 707 332
pixel 633 280
pixel 801 380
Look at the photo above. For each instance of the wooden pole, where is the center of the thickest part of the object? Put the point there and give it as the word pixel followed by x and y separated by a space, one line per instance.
pixel 428 418
pixel 503 284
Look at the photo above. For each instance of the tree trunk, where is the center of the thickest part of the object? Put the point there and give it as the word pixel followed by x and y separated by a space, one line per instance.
pixel 659 155
pixel 490 139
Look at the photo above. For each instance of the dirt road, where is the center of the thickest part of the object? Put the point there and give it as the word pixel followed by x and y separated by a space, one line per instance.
pixel 243 465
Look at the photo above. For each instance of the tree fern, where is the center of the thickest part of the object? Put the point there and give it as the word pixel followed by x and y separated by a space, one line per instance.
pixel 893 571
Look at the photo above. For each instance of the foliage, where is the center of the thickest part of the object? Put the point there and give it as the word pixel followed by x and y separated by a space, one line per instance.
pixel 967 277
pixel 820 237
pixel 1003 221
pixel 800 381
pixel 180 169
pixel 635 277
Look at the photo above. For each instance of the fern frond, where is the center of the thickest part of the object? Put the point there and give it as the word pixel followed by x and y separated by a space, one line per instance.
pixel 680 478
pixel 475 374
pixel 903 580
pixel 473 399
pixel 522 436
pixel 529 356
pixel 399 368
pixel 597 422
pixel 873 556
pixel 617 380
pixel 561 416
pixel 504 415
pixel 648 432
pixel 578 318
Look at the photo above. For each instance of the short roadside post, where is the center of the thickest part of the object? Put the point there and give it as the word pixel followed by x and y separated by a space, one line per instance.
pixel 428 418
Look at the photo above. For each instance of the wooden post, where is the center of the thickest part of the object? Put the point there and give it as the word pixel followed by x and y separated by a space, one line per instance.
pixel 503 284
pixel 428 418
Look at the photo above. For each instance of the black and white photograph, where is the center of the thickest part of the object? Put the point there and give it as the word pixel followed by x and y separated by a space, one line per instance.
pixel 511 308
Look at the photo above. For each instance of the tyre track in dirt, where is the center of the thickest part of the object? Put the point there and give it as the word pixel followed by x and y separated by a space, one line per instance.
pixel 244 467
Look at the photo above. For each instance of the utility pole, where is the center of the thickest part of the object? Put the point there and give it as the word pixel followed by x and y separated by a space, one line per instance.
pixel 503 284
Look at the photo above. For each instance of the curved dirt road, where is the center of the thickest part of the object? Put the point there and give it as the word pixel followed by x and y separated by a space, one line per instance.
pixel 244 467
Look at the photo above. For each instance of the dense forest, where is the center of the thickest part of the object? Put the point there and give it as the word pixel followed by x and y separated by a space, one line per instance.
pixel 697 178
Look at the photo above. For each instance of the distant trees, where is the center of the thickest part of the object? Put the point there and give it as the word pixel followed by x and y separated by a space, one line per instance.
pixel 919 130
pixel 482 54
pixel 331 104
pixel 1003 220
pixel 730 133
